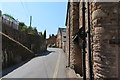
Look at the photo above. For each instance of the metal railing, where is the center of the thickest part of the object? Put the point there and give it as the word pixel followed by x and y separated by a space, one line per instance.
pixel 9 21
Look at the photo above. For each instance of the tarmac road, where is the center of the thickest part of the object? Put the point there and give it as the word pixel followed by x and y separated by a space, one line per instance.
pixel 50 65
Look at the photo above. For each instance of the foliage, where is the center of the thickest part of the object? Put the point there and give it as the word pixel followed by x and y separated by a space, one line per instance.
pixel 49 36
pixel 40 33
pixel 21 23
pixel 35 30
pixel 23 27
pixel 45 34
pixel 32 30
pixel 0 13
pixel 8 15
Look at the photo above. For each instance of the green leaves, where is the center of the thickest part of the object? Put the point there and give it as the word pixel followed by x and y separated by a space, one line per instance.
pixel 8 15
pixel 24 27
pixel 29 30
pixel 0 13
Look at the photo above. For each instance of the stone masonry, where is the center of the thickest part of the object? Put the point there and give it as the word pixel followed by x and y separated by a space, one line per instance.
pixel 75 50
pixel 105 38
pixel 105 27
pixel 18 46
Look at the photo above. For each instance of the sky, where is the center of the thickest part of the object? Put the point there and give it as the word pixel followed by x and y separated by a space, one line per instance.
pixel 45 15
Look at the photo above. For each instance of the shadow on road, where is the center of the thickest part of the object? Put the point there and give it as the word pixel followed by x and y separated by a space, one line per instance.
pixel 10 69
pixel 44 54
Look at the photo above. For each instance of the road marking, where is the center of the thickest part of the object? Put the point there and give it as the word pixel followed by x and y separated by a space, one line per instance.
pixel 57 67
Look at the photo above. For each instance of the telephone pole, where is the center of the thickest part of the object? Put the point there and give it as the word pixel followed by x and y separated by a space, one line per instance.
pixel 30 20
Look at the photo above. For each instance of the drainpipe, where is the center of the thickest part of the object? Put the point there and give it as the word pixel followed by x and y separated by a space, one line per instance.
pixel 69 35
pixel 89 44
pixel 84 42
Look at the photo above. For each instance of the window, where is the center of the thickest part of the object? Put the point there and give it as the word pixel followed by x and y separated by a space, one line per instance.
pixel 64 36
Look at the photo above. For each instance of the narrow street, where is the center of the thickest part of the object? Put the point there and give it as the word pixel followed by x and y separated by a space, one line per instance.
pixel 50 65
pixel 59 39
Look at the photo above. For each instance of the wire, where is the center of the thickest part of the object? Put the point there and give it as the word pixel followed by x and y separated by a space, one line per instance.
pixel 25 9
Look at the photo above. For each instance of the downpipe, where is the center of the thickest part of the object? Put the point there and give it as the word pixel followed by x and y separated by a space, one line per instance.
pixel 84 42
pixel 89 44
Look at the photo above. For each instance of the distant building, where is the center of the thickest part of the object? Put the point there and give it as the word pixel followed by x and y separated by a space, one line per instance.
pixel 61 38
pixel 51 41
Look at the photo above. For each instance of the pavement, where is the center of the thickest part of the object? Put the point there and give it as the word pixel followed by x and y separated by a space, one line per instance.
pixel 49 65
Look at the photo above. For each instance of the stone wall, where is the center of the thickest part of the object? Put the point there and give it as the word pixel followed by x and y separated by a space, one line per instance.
pixel 59 39
pixel 13 52
pixel 105 23
pixel 75 50
pixel 19 46
pixel 105 30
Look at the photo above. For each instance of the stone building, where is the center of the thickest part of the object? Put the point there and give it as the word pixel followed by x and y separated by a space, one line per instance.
pixel 61 38
pixel 51 41
pixel 105 38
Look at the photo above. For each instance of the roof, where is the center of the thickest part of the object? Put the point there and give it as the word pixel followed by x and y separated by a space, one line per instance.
pixel 62 30
pixel 68 5
pixel 53 36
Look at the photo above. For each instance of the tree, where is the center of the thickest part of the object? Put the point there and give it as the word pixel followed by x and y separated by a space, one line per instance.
pixel 24 28
pixel 8 15
pixel 45 34
pixel 35 30
pixel 21 23
pixel 40 33
pixel 49 36
pixel 30 28
pixel 0 13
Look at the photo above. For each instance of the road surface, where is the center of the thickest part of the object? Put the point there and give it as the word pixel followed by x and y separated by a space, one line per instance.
pixel 49 65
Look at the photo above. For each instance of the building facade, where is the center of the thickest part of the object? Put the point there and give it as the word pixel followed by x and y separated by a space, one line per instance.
pixel 105 38
pixel 61 38
pixel 51 41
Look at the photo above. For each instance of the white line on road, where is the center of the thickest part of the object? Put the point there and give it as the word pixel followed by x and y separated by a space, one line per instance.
pixel 57 67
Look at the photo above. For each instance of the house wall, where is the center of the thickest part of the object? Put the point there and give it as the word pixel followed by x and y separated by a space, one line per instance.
pixel 51 40
pixel 59 40
pixel 75 50
pixel 105 22
pixel 64 39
